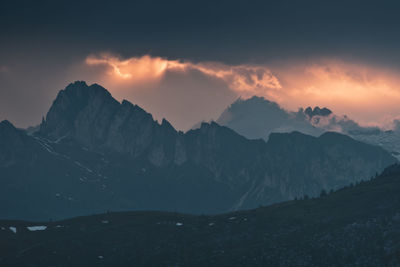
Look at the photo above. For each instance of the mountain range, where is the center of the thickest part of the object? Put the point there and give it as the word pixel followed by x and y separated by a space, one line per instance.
pixel 92 153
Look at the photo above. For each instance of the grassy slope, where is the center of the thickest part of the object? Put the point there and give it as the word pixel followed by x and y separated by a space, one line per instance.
pixel 355 225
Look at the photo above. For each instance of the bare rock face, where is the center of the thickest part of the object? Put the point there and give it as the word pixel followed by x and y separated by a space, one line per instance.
pixel 81 111
pixel 92 117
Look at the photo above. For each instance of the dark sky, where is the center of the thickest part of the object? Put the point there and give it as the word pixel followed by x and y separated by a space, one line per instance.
pixel 41 40
pixel 229 31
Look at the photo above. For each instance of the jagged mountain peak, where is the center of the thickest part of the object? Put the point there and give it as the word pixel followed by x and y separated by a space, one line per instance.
pixel 317 111
pixel 69 104
pixel 6 124
pixel 81 93
pixel 82 86
pixel 166 124
pixel 8 132
pixel 212 126
pixel 208 125
pixel 90 116
pixel 134 110
pixel 14 144
pixel 127 103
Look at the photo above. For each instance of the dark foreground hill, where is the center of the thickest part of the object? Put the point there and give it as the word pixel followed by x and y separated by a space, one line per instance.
pixel 355 226
pixel 93 154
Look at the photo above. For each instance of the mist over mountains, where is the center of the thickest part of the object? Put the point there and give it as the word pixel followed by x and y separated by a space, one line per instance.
pixel 92 153
pixel 257 117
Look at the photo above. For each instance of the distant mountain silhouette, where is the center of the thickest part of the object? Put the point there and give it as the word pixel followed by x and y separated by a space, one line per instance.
pixel 355 226
pixel 317 111
pixel 93 154
pixel 257 117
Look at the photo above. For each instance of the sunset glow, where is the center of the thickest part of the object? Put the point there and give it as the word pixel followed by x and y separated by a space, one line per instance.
pixel 368 93
pixel 134 69
pixel 365 92
pixel 246 80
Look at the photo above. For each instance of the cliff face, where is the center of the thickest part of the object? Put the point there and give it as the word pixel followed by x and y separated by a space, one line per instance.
pixel 93 118
pixel 93 153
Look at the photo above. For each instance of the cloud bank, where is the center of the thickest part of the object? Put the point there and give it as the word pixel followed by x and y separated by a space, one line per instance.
pixel 369 94
pixel 246 80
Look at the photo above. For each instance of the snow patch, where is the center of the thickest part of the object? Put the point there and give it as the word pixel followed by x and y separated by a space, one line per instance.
pixel 179 224
pixel 37 228
pixel 61 138
pixel 105 221
pixel 243 198
pixel 13 229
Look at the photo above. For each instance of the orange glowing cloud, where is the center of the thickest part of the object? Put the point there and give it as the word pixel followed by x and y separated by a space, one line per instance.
pixel 246 80
pixel 367 93
pixel 134 69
